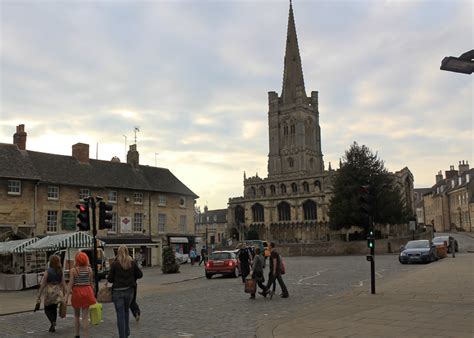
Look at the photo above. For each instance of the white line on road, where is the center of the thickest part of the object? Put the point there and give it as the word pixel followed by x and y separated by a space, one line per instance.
pixel 318 273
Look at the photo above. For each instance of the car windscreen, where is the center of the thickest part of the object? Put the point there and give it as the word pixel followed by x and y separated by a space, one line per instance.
pixel 219 256
pixel 417 245
pixel 440 240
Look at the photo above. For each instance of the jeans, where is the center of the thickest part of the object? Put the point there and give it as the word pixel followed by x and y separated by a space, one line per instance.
pixel 122 300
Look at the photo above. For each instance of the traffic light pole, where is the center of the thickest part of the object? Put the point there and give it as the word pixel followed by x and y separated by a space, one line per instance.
pixel 94 252
pixel 372 256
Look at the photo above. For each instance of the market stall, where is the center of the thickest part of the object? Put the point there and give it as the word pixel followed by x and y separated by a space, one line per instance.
pixel 20 269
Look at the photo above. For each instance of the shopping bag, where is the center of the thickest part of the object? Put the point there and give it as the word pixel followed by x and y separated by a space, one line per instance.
pixel 283 269
pixel 95 313
pixel 62 309
pixel 105 294
pixel 250 286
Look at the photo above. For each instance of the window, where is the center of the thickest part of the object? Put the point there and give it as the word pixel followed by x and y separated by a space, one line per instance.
pixel 291 162
pixel 52 221
pixel 162 200
pixel 285 130
pixel 252 192
pixel 283 189
pixel 317 185
pixel 84 193
pixel 182 202
pixel 138 222
pixel 161 222
pixel 215 218
pixel 14 187
pixel 292 129
pixel 309 210
pixel 305 187
pixel 262 191
pixel 257 211
pixel 53 193
pixel 182 223
pixel 112 196
pixel 284 212
pixel 138 198
pixel 294 187
pixel 113 223
pixel 272 190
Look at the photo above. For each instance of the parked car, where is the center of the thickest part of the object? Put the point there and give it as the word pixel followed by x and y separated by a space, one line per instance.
pixel 441 247
pixel 448 239
pixel 420 251
pixel 222 262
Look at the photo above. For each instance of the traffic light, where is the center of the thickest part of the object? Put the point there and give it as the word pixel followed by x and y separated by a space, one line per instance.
pixel 105 217
pixel 83 216
pixel 371 239
pixel 365 199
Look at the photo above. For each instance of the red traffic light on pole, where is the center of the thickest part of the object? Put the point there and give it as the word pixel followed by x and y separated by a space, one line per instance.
pixel 83 216
pixel 105 217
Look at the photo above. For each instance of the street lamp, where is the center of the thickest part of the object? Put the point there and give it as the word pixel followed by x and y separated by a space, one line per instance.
pixel 463 64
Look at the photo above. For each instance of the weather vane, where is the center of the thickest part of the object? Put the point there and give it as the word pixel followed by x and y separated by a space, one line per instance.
pixel 135 131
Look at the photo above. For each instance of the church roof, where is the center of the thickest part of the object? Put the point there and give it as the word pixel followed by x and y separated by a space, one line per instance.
pixel 293 71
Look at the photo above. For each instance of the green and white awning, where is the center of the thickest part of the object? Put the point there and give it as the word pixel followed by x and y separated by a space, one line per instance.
pixel 17 246
pixel 69 240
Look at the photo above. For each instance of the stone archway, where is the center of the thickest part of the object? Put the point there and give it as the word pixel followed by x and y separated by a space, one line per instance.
pixel 234 234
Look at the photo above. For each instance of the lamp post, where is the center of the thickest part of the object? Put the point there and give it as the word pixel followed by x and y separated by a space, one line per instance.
pixel 462 64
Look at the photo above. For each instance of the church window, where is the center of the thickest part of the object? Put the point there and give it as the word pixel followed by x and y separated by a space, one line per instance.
pixel 294 187
pixel 317 185
pixel 305 186
pixel 272 190
pixel 283 189
pixel 284 213
pixel 292 129
pixel 257 212
pixel 252 192
pixel 291 162
pixel 262 191
pixel 285 130
pixel 309 210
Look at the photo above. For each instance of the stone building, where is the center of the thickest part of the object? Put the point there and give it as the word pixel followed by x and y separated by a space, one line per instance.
pixel 39 191
pixel 211 226
pixel 449 205
pixel 292 203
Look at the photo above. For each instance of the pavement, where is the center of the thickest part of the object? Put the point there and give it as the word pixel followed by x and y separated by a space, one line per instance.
pixel 435 301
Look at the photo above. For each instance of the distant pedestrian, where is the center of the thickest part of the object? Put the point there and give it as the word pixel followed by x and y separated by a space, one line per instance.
pixel 192 255
pixel 257 271
pixel 55 286
pixel 80 284
pixel 245 261
pixel 123 275
pixel 275 273
pixel 203 256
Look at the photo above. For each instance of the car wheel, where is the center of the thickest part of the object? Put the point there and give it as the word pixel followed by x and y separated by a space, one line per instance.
pixel 401 262
pixel 208 275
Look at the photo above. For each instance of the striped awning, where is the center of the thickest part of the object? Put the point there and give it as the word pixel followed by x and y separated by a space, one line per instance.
pixel 70 240
pixel 17 246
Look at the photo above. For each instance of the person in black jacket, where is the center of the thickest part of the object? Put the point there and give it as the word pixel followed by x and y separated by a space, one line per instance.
pixel 245 261
pixel 123 275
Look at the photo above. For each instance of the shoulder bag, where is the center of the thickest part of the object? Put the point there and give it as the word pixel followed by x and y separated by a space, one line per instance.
pixel 105 294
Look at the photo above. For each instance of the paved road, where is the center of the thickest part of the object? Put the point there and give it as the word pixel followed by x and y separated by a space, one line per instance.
pixel 465 240
pixel 218 307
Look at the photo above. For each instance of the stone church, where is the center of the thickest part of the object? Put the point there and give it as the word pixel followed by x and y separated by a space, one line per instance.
pixel 292 203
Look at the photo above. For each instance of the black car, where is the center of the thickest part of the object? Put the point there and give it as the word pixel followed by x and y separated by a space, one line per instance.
pixel 420 251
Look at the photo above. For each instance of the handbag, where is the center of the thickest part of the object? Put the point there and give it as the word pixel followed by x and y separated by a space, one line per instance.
pixel 105 294
pixel 54 294
pixel 283 269
pixel 250 286
pixel 62 309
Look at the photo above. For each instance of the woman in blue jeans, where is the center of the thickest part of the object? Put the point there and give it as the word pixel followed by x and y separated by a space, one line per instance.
pixel 123 275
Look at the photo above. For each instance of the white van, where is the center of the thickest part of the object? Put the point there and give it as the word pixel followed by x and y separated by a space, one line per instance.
pixel 68 256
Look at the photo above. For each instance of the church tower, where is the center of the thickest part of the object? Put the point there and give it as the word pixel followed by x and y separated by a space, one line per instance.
pixel 293 119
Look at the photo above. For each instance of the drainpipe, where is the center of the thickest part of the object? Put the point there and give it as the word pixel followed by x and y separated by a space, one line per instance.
pixel 35 201
pixel 149 217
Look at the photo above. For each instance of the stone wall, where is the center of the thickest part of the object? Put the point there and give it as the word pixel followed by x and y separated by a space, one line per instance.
pixel 336 248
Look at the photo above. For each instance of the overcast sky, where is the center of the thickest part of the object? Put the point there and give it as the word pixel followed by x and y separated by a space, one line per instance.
pixel 194 76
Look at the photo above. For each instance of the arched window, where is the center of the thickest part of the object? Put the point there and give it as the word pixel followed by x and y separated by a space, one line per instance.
pixel 294 187
pixel 305 186
pixel 252 192
pixel 262 191
pixel 284 213
pixel 257 212
pixel 309 210
pixel 317 185
pixel 285 130
pixel 283 188
pixel 291 162
pixel 239 215
pixel 292 129
pixel 272 190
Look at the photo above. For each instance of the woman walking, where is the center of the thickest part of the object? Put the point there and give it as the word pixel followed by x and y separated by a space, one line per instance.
pixel 80 283
pixel 53 283
pixel 123 275
pixel 257 270
pixel 245 261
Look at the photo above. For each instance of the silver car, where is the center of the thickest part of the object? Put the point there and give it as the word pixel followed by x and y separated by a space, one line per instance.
pixel 420 251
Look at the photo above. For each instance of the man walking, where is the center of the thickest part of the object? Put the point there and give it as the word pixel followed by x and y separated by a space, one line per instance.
pixel 275 273
pixel 203 255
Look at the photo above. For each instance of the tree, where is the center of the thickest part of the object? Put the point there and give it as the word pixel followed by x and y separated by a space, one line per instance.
pixel 169 264
pixel 361 167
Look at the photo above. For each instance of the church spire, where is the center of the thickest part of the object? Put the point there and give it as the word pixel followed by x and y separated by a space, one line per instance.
pixel 293 82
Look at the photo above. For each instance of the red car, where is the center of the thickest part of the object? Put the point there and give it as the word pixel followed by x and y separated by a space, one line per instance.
pixel 222 262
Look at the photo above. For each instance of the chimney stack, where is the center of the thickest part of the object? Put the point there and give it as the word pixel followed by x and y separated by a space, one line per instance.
pixel 19 138
pixel 451 173
pixel 133 156
pixel 439 177
pixel 80 151
pixel 463 167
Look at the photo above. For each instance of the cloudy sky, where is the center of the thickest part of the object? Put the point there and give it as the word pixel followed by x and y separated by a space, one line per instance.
pixel 194 76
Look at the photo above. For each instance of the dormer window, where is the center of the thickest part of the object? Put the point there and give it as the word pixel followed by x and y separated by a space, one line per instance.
pixel 182 202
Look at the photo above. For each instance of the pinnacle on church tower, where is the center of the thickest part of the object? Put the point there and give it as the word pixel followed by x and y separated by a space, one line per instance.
pixel 293 71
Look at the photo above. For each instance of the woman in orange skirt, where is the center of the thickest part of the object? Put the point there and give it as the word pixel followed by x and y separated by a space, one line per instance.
pixel 80 283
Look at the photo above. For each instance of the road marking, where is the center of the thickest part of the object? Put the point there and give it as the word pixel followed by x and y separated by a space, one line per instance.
pixel 361 282
pixel 318 273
